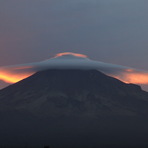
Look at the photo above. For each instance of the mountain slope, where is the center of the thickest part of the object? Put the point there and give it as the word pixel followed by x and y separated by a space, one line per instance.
pixel 60 107
pixel 65 92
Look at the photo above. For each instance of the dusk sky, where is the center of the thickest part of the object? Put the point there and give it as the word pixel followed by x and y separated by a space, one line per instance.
pixel 112 31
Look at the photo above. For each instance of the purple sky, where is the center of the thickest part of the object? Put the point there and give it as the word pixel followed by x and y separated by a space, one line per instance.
pixel 113 31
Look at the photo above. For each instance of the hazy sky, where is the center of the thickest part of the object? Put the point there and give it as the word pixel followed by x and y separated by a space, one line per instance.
pixel 113 31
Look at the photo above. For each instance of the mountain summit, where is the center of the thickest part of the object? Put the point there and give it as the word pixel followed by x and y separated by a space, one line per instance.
pixel 75 61
pixel 71 103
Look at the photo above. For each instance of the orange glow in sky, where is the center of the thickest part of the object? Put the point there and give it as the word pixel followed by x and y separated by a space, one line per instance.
pixel 70 53
pixel 10 77
pixel 133 77
pixel 13 74
pixel 136 78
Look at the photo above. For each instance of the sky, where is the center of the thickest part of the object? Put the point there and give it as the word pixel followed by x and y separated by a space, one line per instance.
pixel 112 31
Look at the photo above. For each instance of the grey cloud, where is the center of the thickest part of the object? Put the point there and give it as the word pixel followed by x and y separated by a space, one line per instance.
pixel 111 31
pixel 70 61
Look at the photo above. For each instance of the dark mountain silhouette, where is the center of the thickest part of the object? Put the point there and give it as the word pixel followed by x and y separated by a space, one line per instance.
pixel 74 108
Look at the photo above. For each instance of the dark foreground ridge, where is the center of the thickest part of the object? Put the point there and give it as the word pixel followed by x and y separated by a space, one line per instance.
pixel 100 146
pixel 73 108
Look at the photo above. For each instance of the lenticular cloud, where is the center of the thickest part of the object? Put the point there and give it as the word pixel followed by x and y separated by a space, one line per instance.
pixel 15 73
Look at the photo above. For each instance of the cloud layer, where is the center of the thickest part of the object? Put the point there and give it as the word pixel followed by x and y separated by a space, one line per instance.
pixel 15 73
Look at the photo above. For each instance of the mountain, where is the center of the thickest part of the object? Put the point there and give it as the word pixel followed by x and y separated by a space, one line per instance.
pixel 73 108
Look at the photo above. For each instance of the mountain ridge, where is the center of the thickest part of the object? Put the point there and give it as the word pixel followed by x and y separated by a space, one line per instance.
pixel 73 108
pixel 63 87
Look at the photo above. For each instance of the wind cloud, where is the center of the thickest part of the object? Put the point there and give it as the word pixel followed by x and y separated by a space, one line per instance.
pixel 15 73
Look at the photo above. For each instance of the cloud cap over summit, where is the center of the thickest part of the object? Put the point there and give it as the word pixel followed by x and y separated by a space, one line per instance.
pixel 68 60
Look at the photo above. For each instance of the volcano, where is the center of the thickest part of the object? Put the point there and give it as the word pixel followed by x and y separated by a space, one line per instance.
pixel 73 108
pixel 67 60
